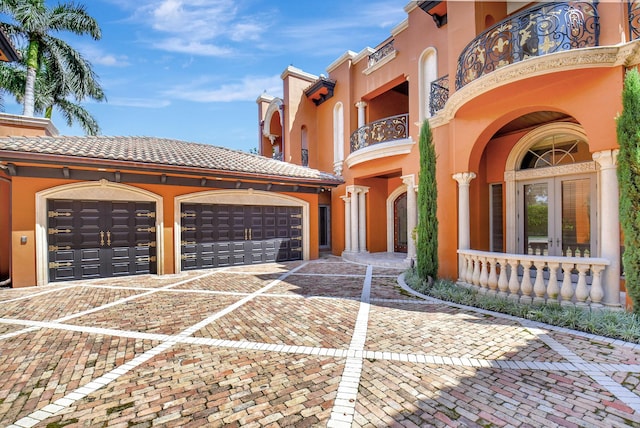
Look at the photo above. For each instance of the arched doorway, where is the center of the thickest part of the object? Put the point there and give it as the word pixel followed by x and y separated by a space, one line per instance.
pixel 400 223
pixel 551 193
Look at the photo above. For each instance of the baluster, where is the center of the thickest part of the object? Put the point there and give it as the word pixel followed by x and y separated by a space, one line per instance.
pixel 475 280
pixel 493 276
pixel 514 284
pixel 469 277
pixel 538 287
pixel 503 283
pixel 463 267
pixel 553 290
pixel 597 291
pixel 484 275
pixel 526 287
pixel 567 286
pixel 582 291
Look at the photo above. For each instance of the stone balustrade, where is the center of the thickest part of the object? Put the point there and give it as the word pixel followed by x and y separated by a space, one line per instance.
pixel 535 279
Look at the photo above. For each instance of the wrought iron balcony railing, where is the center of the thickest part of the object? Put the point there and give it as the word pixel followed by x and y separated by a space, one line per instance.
pixel 386 50
pixel 540 30
pixel 439 94
pixel 380 131
pixel 634 19
pixel 305 157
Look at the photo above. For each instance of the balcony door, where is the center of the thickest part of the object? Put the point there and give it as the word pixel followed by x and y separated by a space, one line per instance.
pixel 557 216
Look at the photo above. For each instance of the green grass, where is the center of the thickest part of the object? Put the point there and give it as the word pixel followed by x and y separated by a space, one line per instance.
pixel 614 324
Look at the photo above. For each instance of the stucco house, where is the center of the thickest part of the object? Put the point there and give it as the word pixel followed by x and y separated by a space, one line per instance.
pixel 522 99
pixel 94 207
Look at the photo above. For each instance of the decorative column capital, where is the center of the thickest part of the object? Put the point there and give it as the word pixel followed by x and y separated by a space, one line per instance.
pixel 607 159
pixel 346 199
pixel 464 178
pixel 355 189
pixel 361 104
pixel 409 180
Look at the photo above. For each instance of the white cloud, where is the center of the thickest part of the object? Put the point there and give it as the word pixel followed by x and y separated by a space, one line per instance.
pixel 97 56
pixel 247 89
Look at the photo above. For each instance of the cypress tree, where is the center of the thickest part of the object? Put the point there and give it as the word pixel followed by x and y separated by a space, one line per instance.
pixel 628 131
pixel 427 236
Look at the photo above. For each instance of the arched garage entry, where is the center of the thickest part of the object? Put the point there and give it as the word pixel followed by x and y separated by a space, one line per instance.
pixel 236 227
pixel 97 229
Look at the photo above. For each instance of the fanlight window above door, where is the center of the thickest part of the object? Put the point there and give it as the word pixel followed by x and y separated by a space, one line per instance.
pixel 559 149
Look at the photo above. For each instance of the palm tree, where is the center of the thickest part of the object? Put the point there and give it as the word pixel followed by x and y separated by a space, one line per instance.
pixel 50 92
pixel 34 22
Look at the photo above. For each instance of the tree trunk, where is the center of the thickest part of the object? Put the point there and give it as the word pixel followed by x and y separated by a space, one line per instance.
pixel 29 89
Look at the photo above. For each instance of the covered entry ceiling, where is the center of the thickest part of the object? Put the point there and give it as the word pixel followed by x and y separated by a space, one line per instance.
pixel 532 120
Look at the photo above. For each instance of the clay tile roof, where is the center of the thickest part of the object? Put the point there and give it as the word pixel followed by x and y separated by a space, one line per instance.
pixel 160 152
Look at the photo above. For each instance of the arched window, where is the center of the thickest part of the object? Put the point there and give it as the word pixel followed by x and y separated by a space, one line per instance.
pixel 428 73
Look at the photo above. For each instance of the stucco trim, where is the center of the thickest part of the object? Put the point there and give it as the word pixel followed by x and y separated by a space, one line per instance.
pixel 381 150
pixel 102 190
pixel 239 197
pixel 627 55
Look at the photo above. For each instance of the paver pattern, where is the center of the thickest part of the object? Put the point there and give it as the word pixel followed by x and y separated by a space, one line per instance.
pixel 304 344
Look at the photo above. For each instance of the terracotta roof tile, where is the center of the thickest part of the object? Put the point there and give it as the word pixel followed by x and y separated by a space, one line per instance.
pixel 161 151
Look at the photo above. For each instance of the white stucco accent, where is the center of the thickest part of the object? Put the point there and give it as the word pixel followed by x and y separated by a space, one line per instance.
pixel 239 197
pixel 102 190
pixel 428 72
pixel 381 150
pixel 274 106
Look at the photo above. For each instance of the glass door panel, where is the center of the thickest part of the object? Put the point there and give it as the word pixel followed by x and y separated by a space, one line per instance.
pixel 576 218
pixel 536 218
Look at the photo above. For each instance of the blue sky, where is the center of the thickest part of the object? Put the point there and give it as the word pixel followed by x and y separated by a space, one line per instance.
pixel 192 69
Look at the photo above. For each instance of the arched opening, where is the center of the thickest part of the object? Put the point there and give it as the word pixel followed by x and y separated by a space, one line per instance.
pixel 272 131
pixel 551 193
pixel 96 229
pixel 428 73
pixel 338 138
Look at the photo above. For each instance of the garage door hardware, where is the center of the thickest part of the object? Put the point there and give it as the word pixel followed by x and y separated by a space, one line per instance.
pixel 187 229
pixel 53 214
pixel 147 229
pixel 297 249
pixel 183 243
pixel 57 248
pixel 102 238
pixel 146 244
pixel 185 215
pixel 188 257
pixel 150 215
pixel 147 259
pixel 56 231
pixel 296 227
pixel 247 234
pixel 296 215
pixel 56 265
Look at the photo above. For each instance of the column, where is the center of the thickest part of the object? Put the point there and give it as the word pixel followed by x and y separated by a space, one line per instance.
pixel 347 222
pixel 361 113
pixel 362 221
pixel 609 224
pixel 354 218
pixel 412 214
pixel 464 224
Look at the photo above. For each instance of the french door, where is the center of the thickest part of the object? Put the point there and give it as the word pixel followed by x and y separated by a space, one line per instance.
pixel 557 216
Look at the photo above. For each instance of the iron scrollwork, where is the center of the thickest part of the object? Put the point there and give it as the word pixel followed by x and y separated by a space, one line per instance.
pixel 439 94
pixel 538 31
pixel 380 131
pixel 634 19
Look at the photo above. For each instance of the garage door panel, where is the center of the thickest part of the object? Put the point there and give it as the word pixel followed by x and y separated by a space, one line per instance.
pixel 103 237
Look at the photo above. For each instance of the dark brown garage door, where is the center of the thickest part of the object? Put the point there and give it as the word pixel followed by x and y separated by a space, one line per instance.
pixel 95 239
pixel 216 235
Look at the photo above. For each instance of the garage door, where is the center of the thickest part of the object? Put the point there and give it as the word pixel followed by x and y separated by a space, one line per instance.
pixel 95 239
pixel 215 235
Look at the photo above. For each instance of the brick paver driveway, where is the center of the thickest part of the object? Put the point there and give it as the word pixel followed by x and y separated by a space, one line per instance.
pixel 322 343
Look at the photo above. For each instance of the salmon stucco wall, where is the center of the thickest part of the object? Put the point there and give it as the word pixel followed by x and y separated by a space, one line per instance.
pixel 5 228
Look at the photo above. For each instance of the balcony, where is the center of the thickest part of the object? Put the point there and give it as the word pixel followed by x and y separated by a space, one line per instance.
pixel 538 31
pixel 439 94
pixel 380 131
pixel 382 138
pixel 634 19
pixel 381 56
